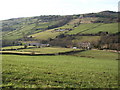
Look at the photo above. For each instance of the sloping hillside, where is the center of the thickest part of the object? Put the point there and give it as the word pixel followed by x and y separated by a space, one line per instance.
pixel 51 26
pixel 95 28
pixel 18 28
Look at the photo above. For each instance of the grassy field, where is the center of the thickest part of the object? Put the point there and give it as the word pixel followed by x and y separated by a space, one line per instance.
pixel 45 50
pixel 95 28
pixel 16 34
pixel 99 54
pixel 83 27
pixel 15 47
pixel 46 34
pixel 86 39
pixel 27 29
pixel 111 28
pixel 61 71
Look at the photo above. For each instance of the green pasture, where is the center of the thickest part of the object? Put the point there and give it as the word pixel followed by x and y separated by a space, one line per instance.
pixel 83 27
pixel 15 47
pixel 46 34
pixel 16 34
pixel 27 29
pixel 61 71
pixel 92 28
pixel 47 50
pixel 99 54
pixel 86 39
pixel 111 28
pixel 42 50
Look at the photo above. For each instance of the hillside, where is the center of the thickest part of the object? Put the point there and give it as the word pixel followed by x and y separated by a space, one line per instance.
pixel 49 27
pixel 95 28
pixel 18 28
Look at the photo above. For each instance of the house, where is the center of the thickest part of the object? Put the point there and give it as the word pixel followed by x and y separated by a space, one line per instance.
pixel 60 30
pixel 38 44
pixel 33 44
pixel 85 45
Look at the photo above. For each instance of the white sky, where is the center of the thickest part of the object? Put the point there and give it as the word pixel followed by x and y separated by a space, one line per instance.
pixel 27 8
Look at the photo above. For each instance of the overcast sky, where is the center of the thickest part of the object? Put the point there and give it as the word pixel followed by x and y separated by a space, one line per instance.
pixel 26 8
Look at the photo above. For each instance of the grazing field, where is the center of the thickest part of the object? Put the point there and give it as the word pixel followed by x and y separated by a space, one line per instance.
pixel 16 34
pixel 60 71
pixel 86 39
pixel 99 54
pixel 95 28
pixel 43 50
pixel 12 47
pixel 83 27
pixel 26 29
pixel 111 28
pixel 45 35
pixel 15 47
pixel 47 50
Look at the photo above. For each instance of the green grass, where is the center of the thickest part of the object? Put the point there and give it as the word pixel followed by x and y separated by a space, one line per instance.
pixel 86 39
pixel 46 34
pixel 99 54
pixel 111 28
pixel 26 29
pixel 16 34
pixel 83 27
pixel 59 72
pixel 14 47
pixel 45 50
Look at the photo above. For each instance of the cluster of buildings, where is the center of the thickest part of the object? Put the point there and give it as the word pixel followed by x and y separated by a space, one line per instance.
pixel 82 45
pixel 60 29
pixel 38 44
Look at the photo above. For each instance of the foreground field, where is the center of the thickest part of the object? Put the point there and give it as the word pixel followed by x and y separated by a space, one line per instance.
pixel 59 72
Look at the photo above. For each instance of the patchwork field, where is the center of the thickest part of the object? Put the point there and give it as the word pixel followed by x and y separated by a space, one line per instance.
pixel 86 39
pixel 61 71
pixel 95 28
pixel 43 50
pixel 111 28
pixel 45 35
pixel 48 64
pixel 47 50
pixel 16 34
pixel 26 29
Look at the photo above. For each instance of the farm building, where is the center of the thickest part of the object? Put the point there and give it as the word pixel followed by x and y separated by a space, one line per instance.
pixel 60 30
pixel 85 45
pixel 38 44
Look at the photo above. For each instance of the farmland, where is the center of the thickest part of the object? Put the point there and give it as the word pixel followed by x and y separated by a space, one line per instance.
pixel 47 50
pixel 45 35
pixel 95 28
pixel 61 51
pixel 61 71
pixel 43 50
pixel 89 28
pixel 111 28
